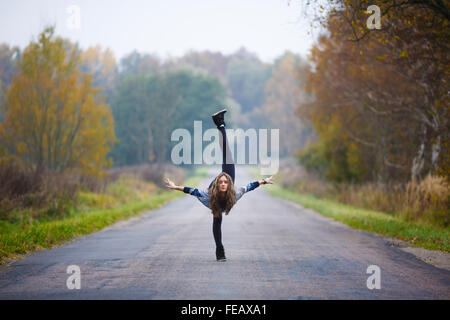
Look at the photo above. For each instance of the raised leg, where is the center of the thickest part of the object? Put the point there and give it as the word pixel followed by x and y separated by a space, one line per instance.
pixel 227 158
pixel 227 167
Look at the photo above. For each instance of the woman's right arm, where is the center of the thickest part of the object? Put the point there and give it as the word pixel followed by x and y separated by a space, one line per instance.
pixel 202 195
pixel 171 185
pixel 193 191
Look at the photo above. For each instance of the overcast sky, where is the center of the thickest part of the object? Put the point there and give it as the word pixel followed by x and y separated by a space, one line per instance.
pixel 165 27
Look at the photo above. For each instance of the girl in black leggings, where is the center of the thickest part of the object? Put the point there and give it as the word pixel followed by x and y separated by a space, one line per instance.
pixel 221 194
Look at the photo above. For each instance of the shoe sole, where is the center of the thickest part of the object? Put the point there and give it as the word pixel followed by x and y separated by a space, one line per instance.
pixel 215 114
pixel 221 260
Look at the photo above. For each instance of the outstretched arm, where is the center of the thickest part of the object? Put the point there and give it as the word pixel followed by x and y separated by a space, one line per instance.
pixel 252 186
pixel 171 185
pixel 201 195
pixel 193 191
pixel 266 180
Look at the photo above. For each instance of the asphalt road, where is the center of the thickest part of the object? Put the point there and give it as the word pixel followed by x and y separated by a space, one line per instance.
pixel 275 250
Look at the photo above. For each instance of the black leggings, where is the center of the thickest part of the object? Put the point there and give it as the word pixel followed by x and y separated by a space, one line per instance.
pixel 227 167
pixel 217 231
pixel 227 159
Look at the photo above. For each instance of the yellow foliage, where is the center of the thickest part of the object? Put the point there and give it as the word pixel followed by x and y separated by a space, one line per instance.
pixel 54 116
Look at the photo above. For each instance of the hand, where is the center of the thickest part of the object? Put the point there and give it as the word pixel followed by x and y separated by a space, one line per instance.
pixel 170 184
pixel 269 180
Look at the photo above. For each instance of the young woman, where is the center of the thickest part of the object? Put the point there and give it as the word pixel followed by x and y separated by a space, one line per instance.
pixel 221 194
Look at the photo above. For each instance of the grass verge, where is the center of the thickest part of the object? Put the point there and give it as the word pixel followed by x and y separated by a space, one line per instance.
pixel 419 234
pixel 24 237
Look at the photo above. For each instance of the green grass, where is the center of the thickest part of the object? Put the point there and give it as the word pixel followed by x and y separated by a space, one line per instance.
pixel 21 237
pixel 418 234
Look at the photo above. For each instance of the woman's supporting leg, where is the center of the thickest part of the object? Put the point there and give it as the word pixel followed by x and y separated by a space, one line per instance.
pixel 220 251
pixel 217 232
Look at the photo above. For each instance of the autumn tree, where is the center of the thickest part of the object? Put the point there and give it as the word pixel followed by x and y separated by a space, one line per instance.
pixel 55 118
pixel 102 65
pixel 283 92
pixel 381 108
pixel 415 37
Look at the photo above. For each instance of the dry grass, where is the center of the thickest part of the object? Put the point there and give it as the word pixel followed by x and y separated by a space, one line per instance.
pixel 427 200
pixel 33 195
pixel 429 197
pixel 41 192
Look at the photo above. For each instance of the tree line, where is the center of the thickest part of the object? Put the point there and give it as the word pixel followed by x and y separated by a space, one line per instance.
pixel 367 105
pixel 64 108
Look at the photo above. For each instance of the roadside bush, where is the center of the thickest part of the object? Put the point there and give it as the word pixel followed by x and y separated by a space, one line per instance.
pixel 427 200
pixel 47 193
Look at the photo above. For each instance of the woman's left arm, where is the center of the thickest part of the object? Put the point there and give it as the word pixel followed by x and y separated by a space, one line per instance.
pixel 252 186
pixel 266 181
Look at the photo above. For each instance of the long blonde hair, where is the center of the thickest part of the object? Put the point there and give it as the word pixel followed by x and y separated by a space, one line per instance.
pixel 215 196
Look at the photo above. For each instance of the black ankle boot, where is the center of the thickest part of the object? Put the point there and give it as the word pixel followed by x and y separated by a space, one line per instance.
pixel 218 118
pixel 220 254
